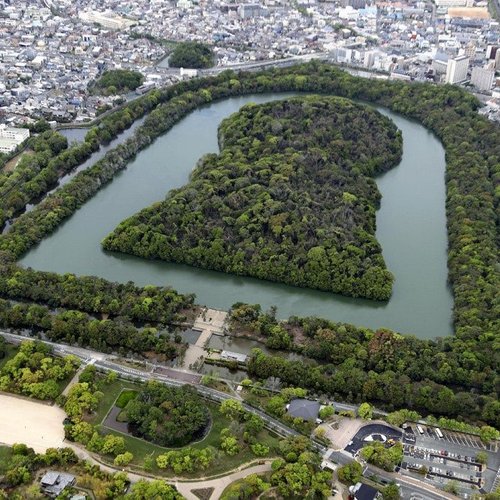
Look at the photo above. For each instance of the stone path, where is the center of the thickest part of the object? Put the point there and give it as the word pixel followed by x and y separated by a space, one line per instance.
pixel 184 487
pixel 208 322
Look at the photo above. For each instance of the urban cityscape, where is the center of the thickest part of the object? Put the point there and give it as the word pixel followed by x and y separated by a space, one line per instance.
pixel 50 51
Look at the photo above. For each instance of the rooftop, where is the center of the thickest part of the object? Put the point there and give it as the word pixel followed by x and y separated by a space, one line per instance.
pixel 303 408
pixel 53 482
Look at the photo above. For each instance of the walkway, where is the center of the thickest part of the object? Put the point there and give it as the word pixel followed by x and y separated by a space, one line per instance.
pixel 184 486
pixel 75 379
pixel 220 483
pixel 209 321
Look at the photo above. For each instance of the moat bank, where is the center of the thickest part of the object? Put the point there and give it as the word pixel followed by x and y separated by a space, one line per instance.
pixel 411 229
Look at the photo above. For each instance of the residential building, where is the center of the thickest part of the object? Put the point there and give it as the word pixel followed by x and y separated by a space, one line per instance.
pixel 456 71
pixel 304 408
pixel 451 3
pixel 53 483
pixel 482 78
pixel 362 491
pixel 11 138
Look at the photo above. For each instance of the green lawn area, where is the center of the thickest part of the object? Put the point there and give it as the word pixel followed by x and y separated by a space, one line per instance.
pixel 4 456
pixel 142 449
pixel 125 396
pixel 11 352
pixel 111 393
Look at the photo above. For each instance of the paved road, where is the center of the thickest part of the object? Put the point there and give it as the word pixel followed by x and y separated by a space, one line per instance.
pixel 414 488
pixel 174 378
pixel 411 489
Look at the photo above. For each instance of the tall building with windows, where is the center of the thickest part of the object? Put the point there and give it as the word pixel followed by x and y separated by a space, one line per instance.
pixel 482 78
pixel 456 71
pixel 11 137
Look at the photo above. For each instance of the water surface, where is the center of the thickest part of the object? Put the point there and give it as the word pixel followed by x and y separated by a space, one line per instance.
pixel 411 227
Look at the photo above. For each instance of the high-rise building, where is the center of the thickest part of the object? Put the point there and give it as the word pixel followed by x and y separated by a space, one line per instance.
pixel 482 78
pixel 456 71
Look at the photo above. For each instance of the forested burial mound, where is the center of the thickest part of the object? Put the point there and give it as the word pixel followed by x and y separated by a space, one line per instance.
pixel 290 198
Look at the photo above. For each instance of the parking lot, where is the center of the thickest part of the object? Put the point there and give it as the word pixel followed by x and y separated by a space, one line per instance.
pixel 461 439
pixel 372 432
pixel 449 458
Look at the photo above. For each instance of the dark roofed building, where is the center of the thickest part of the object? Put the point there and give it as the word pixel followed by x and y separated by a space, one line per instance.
pixel 303 408
pixel 362 491
pixel 53 483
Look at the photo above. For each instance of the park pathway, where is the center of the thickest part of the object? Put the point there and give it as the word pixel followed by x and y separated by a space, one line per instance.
pixel 220 483
pixel 209 321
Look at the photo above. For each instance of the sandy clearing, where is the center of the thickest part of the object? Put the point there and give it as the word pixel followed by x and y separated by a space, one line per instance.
pixel 35 424
pixel 472 12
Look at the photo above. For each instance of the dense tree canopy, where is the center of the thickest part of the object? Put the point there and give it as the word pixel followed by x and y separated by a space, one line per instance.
pixel 117 81
pixel 35 372
pixel 76 327
pixel 455 376
pixel 168 416
pixel 191 55
pixel 290 198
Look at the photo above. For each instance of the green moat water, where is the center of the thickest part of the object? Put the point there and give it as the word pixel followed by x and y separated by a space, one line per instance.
pixel 411 227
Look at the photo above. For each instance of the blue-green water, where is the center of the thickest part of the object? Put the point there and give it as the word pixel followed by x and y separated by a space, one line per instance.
pixel 411 227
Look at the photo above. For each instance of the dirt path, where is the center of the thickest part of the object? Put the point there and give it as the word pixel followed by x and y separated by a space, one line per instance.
pixel 74 380
pixel 221 483
pixel 185 487
pixel 38 425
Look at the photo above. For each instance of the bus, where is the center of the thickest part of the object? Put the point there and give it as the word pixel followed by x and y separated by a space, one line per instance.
pixel 419 429
pixel 438 432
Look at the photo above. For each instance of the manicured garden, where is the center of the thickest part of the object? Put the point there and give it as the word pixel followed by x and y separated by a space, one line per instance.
pixel 231 439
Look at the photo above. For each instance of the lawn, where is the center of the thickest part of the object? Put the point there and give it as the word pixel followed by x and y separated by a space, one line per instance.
pixel 11 352
pixel 141 449
pixel 4 457
pixel 111 392
pixel 125 396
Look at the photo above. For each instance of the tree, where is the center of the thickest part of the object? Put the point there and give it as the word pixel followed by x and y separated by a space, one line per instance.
pixel 451 487
pixel 488 434
pixel 158 489
pixel 229 443
pixel 168 416
pixel 82 432
pixel 118 80
pixel 113 445
pixel 391 492
pixel 123 459
pixel 350 473
pixel 385 458
pixel 111 377
pixel 482 457
pixel 398 418
pixel 254 424
pixel 248 487
pixel 365 411
pixel 326 412
pixel 259 450
pixel 191 55
pixel 232 409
